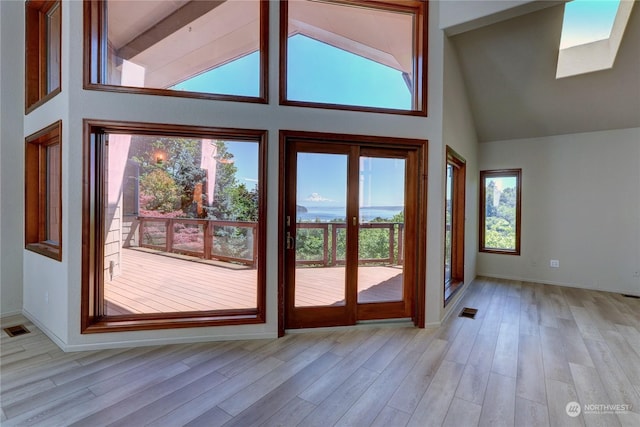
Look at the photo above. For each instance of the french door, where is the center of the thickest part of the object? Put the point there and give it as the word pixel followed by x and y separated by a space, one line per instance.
pixel 351 232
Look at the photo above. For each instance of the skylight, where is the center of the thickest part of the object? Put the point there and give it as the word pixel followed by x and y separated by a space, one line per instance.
pixel 587 21
pixel 591 35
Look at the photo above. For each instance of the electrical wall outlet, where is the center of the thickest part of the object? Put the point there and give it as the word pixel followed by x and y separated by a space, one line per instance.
pixel 554 263
pixel 46 297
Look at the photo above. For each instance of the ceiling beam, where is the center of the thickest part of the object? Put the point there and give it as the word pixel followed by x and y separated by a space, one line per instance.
pixel 167 26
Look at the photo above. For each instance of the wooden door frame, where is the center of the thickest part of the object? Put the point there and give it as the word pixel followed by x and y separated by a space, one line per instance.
pixel 420 146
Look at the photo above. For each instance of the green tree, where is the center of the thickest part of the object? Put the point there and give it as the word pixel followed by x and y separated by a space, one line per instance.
pixel 244 203
pixel 309 244
pixel 178 157
pixel 159 192
pixel 489 206
pixel 225 185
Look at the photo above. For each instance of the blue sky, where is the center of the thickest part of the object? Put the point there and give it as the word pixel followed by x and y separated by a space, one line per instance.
pixel 586 21
pixel 318 72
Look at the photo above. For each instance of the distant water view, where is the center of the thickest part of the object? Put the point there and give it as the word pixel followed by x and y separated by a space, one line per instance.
pixel 326 214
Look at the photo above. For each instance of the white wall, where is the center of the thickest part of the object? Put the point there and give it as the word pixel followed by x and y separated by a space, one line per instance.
pixel 46 281
pixel 580 205
pixel 60 317
pixel 458 132
pixel 457 16
pixel 11 156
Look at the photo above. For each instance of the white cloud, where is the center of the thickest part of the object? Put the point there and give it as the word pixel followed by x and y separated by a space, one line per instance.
pixel 316 197
pixel 251 179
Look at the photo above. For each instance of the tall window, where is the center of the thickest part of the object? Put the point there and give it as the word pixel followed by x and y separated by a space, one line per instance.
pixel 500 211
pixel 454 224
pixel 174 227
pixel 201 49
pixel 356 55
pixel 43 192
pixel 42 57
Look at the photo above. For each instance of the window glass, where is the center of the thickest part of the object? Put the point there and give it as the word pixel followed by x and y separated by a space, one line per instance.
pixel 43 192
pixel 53 194
pixel 42 51
pixel 204 47
pixel 175 227
pixel 192 245
pixel 53 47
pixel 500 213
pixel 454 231
pixel 336 54
pixel 448 225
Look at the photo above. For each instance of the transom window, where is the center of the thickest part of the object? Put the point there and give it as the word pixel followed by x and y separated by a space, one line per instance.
pixel 500 211
pixel 334 54
pixel 175 228
pixel 205 49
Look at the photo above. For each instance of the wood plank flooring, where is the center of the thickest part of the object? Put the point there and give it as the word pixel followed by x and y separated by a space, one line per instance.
pixel 530 351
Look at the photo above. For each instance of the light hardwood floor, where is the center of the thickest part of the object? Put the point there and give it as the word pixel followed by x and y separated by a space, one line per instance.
pixel 531 350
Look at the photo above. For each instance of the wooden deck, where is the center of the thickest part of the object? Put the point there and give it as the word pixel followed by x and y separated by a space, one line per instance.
pixel 156 283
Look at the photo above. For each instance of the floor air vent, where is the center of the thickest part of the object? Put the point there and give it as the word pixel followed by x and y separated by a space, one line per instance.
pixel 468 312
pixel 14 331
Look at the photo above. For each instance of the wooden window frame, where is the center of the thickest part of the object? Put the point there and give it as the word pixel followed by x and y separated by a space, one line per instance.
pixel 37 192
pixel 37 45
pixel 458 194
pixel 418 7
pixel 93 319
pixel 94 63
pixel 500 173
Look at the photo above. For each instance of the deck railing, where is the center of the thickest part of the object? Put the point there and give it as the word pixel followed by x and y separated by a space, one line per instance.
pixel 236 241
pixel 233 241
pixel 329 253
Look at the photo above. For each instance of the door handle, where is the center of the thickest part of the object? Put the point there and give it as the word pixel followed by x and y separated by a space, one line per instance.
pixel 290 241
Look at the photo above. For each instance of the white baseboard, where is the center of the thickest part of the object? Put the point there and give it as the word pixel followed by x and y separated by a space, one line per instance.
pixel 166 341
pixel 143 342
pixel 10 313
pixel 53 337
pixel 555 283
pixel 458 297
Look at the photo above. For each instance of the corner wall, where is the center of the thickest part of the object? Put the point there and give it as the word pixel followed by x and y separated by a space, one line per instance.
pixel 11 157
pixel 459 133
pixel 580 205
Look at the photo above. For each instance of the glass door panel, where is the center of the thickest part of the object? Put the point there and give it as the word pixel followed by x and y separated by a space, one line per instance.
pixel 448 225
pixel 320 240
pixel 381 226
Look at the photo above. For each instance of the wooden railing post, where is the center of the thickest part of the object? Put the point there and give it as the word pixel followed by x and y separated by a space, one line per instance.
pixel 208 233
pixel 141 231
pixel 400 243
pixel 334 244
pixel 254 256
pixel 325 245
pixel 169 235
pixel 392 228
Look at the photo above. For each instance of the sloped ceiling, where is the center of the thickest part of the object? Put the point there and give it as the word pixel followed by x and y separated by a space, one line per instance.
pixel 509 70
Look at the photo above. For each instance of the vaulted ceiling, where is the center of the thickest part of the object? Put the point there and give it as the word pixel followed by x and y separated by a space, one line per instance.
pixel 509 69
